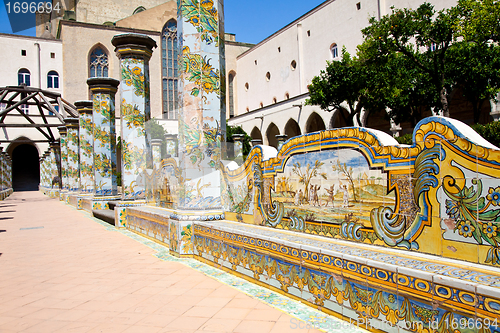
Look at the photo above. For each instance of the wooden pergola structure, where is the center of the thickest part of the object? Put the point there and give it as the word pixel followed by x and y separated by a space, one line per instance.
pixel 12 98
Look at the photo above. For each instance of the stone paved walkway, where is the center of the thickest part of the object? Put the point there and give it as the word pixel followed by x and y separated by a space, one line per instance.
pixel 61 271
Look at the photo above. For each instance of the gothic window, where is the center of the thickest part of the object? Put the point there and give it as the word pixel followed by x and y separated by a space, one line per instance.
pixel 52 79
pixel 169 69
pixel 231 95
pixel 98 63
pixel 23 76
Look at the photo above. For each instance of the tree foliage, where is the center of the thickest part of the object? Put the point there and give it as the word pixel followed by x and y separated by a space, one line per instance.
pixel 413 60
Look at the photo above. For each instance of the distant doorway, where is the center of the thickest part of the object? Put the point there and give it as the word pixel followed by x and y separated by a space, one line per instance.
pixel 25 168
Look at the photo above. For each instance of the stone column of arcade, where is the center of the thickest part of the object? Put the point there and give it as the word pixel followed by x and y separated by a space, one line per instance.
pixel 134 52
pixel 104 133
pixel 200 29
pixel 64 160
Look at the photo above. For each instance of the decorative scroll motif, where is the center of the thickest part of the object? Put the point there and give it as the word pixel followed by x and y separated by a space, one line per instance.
pixel 396 229
pixel 204 17
pixel 201 73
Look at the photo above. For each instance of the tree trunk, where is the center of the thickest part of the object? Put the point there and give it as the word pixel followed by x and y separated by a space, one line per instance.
pixel 444 102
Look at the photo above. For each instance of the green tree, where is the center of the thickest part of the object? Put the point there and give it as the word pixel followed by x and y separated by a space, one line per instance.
pixel 423 36
pixel 475 67
pixel 342 83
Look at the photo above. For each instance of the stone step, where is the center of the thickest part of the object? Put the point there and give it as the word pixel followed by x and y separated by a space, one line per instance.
pixel 105 215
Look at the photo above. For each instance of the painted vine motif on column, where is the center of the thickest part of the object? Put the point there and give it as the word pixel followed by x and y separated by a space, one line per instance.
pixel 200 72
pixel 104 143
pixel 196 144
pixel 73 158
pixel 134 77
pixel 135 101
pixel 204 17
pixel 133 117
pixel 86 153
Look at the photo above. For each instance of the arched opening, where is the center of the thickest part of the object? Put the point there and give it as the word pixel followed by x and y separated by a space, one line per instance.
pixel 292 128
pixel 315 123
pixel 256 134
pixel 230 92
pixel 25 168
pixel 337 121
pixel 379 121
pixel 271 133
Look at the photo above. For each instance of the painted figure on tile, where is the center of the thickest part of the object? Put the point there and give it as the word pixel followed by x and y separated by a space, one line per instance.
pixel 298 197
pixel 331 194
pixel 345 197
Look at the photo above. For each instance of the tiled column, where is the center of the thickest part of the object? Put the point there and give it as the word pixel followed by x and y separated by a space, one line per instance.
pixel 73 171
pixel 156 149
pixel 55 150
pixel 134 52
pixel 256 142
pixel 171 144
pixel 238 146
pixel 200 28
pixel 64 156
pixel 281 140
pixel 104 134
pixel 86 144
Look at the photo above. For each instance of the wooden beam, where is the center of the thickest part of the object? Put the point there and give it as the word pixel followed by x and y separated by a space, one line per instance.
pixel 25 141
pixel 15 105
pixel 71 108
pixel 52 108
pixel 32 122
pixel 29 125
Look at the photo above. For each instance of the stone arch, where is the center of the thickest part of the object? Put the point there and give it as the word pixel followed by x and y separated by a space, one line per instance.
pixel 292 128
pixel 337 121
pixel 25 164
pixel 272 131
pixel 256 134
pixel 315 123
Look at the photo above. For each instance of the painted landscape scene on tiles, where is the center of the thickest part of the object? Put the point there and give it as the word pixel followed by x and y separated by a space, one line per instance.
pixel 331 186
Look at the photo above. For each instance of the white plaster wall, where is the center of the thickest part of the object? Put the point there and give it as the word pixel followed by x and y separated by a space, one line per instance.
pixel 12 62
pixel 100 11
pixel 334 21
pixel 79 40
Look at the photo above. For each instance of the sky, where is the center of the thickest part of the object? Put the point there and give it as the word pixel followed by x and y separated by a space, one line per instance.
pixel 251 21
